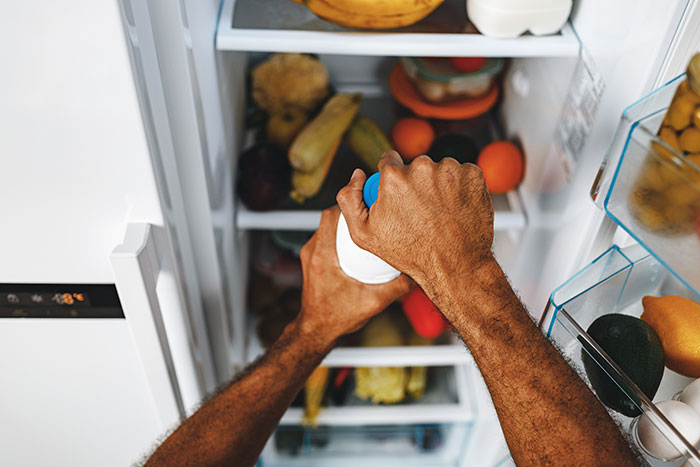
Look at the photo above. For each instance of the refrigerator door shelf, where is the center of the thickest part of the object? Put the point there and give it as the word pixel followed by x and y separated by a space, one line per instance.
pixel 615 282
pixel 282 26
pixel 653 191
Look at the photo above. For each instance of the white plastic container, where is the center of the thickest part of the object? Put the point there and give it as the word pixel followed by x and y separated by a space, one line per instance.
pixel 505 19
pixel 357 263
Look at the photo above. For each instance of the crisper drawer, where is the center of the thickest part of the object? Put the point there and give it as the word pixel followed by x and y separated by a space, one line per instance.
pixel 615 283
pixel 432 430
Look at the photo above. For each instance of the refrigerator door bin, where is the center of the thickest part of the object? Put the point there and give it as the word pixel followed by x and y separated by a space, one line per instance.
pixel 282 26
pixel 654 190
pixel 615 282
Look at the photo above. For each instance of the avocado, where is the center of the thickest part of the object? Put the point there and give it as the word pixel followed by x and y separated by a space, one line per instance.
pixel 460 147
pixel 636 348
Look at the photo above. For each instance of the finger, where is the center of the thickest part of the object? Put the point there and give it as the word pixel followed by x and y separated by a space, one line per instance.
pixel 390 158
pixel 327 227
pixel 399 286
pixel 351 203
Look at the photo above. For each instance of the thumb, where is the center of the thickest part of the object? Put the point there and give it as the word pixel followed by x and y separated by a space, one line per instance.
pixel 351 203
pixel 400 286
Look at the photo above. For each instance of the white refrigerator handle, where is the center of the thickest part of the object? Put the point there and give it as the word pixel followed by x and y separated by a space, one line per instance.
pixel 136 269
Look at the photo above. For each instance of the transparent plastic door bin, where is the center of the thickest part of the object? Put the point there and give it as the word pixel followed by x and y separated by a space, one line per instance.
pixel 654 190
pixel 616 282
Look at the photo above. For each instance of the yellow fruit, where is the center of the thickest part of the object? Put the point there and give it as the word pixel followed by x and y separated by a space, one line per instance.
pixel 307 184
pixel 367 141
pixel 677 322
pixel 371 14
pixel 283 126
pixel 690 139
pixel 680 113
pixel 313 395
pixel 670 137
pixel 316 139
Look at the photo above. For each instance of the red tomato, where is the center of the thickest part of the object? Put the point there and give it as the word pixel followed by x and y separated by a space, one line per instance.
pixel 423 315
pixel 467 64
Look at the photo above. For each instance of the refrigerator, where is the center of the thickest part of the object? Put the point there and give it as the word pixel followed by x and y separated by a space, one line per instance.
pixel 125 253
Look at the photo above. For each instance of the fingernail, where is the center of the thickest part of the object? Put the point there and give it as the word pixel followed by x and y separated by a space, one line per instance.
pixel 356 174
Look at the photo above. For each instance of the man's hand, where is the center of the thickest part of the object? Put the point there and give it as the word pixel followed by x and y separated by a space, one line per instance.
pixel 433 221
pixel 334 304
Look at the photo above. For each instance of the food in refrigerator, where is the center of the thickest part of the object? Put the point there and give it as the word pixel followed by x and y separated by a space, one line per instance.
pixel 284 125
pixel 467 64
pixel 691 395
pixel 616 334
pixel 363 14
pixel 683 417
pixel 666 195
pixel 424 316
pixel 456 145
pixel 677 322
pixel 407 95
pixel 437 80
pixel 367 141
pixel 314 389
pixel 412 137
pixel 307 184
pixel 511 18
pixel 502 165
pixel 289 80
pixel 263 177
pixel 315 141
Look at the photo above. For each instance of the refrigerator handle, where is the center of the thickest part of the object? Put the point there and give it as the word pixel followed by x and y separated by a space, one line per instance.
pixel 136 268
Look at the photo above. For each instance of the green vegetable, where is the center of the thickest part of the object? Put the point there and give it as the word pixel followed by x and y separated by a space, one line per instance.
pixel 636 348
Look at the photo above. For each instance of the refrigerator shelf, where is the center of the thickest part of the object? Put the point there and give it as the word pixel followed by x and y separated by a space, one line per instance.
pixel 451 354
pixel 615 282
pixel 284 26
pixel 652 190
pixel 508 215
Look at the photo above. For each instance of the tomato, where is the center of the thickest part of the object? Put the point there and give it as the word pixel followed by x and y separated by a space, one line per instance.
pixel 467 64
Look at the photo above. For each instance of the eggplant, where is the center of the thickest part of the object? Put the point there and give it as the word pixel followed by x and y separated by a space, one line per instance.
pixel 264 177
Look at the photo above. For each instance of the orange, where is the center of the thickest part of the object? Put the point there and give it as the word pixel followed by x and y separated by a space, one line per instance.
pixel 677 322
pixel 412 137
pixel 502 165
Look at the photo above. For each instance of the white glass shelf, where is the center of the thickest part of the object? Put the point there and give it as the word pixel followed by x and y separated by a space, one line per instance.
pixel 509 215
pixel 285 26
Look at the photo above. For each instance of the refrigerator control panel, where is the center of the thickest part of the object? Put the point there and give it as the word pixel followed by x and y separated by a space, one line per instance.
pixel 59 301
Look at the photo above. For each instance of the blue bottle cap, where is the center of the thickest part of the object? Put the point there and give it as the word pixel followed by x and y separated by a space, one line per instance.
pixel 371 190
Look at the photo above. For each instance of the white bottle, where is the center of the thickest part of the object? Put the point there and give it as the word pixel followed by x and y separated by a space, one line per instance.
pixel 511 18
pixel 354 261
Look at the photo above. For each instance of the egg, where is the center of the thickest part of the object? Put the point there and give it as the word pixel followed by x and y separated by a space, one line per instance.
pixel 691 395
pixel 682 416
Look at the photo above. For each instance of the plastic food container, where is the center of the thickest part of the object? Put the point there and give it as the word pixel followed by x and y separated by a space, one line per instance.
pixel 511 18
pixel 616 282
pixel 437 81
pixel 654 190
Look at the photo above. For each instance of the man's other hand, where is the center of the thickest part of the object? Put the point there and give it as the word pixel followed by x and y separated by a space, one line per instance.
pixel 334 304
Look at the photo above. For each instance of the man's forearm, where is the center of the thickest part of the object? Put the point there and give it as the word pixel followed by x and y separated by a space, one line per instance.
pixel 547 413
pixel 232 428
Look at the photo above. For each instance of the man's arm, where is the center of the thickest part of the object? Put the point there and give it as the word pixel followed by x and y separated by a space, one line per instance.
pixel 232 428
pixel 434 222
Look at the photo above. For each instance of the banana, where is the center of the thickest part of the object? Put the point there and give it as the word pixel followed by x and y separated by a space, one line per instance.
pixel 367 141
pixel 307 184
pixel 316 139
pixel 371 14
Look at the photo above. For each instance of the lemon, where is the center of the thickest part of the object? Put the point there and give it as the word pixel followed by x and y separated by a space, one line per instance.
pixel 677 322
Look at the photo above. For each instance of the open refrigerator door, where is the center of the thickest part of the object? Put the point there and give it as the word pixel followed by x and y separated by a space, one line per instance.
pixel 559 97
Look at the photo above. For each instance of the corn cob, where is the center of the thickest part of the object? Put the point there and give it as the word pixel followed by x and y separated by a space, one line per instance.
pixel 313 395
pixel 367 141
pixel 316 139
pixel 307 184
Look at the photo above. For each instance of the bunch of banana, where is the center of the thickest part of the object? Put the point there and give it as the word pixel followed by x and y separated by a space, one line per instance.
pixel 312 152
pixel 371 14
